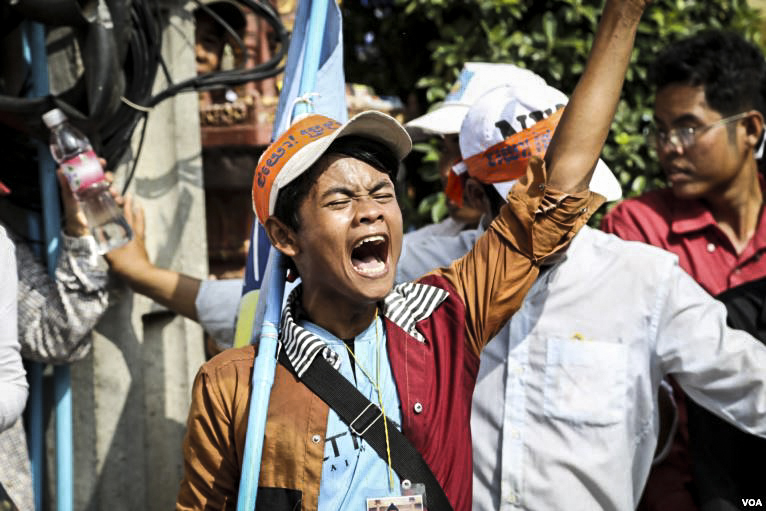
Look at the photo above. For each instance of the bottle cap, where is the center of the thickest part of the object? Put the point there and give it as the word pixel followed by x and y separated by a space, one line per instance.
pixel 54 117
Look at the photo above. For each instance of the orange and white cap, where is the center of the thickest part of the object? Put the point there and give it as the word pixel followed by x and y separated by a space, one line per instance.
pixel 475 80
pixel 306 140
pixel 504 129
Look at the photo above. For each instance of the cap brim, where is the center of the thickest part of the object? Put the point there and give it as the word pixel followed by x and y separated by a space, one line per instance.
pixel 445 120
pixel 603 182
pixel 504 187
pixel 371 124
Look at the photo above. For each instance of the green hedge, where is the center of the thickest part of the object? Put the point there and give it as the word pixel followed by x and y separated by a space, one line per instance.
pixel 414 49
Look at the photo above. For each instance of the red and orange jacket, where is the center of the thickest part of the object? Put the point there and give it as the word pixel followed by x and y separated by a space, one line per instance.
pixel 436 330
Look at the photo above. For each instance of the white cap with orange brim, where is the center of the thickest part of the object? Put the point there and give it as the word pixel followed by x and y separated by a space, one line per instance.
pixel 507 126
pixel 475 79
pixel 306 140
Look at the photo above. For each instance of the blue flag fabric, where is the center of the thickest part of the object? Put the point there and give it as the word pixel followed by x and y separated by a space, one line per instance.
pixel 255 279
pixel 257 255
pixel 328 97
pixel 330 83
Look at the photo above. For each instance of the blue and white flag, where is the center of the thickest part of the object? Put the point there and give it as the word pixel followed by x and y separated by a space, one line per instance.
pixel 327 97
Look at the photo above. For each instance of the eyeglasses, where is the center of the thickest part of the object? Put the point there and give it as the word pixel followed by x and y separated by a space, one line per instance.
pixel 685 137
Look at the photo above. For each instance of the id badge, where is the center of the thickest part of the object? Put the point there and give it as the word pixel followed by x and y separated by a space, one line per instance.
pixel 403 503
pixel 412 499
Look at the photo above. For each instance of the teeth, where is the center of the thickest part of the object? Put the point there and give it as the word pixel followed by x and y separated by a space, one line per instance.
pixel 379 267
pixel 371 239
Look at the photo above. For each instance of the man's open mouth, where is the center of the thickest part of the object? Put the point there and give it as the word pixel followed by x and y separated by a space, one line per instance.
pixel 369 255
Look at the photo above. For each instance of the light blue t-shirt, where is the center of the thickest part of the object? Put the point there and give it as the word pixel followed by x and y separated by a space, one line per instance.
pixel 352 471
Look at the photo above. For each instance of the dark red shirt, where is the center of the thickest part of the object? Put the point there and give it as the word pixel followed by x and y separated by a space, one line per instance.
pixel 688 229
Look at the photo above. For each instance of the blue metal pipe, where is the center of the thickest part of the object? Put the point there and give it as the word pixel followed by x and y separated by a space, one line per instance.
pixel 62 391
pixel 38 60
pixel 61 379
pixel 36 427
pixel 61 375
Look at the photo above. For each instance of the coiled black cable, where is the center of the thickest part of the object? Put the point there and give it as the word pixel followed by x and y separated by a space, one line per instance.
pixel 232 77
pixel 140 69
pixel 141 102
pixel 143 58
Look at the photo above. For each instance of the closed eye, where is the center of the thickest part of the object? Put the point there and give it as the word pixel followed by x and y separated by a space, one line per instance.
pixel 338 203
pixel 383 197
pixel 340 197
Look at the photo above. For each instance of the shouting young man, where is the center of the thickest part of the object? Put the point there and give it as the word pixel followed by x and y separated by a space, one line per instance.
pixel 325 194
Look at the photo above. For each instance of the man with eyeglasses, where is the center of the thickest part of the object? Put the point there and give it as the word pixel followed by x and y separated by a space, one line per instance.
pixel 709 123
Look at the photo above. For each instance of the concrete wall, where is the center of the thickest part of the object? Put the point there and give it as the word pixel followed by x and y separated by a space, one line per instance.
pixel 131 396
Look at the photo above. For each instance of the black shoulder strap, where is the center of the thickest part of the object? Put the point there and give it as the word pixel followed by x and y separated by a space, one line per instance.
pixel 364 419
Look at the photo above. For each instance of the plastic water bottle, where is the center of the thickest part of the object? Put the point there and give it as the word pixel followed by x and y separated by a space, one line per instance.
pixel 72 151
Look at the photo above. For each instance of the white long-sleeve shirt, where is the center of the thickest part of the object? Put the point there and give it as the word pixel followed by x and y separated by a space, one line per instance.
pixel 565 408
pixel 13 383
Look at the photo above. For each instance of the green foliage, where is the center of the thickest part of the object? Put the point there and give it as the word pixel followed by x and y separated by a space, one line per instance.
pixel 415 49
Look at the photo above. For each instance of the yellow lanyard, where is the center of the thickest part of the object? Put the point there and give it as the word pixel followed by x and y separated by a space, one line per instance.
pixel 376 383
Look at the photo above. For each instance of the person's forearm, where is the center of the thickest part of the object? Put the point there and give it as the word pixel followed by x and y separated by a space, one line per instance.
pixel 130 262
pixel 174 290
pixel 584 125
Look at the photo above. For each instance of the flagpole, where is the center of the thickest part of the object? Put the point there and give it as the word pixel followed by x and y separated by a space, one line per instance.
pixel 317 17
pixel 264 366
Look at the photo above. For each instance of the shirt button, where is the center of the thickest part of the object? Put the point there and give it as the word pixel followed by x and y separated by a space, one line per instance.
pixel 316 439
pixel 711 247
pixel 418 408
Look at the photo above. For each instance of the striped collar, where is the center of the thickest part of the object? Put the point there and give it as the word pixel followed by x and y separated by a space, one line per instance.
pixel 404 306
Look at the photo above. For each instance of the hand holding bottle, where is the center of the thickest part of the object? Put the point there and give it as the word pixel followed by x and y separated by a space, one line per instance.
pixel 85 176
pixel 75 223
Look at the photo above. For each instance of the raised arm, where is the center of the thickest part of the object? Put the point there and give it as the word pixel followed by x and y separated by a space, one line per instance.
pixel 539 221
pixel 172 289
pixel 582 131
